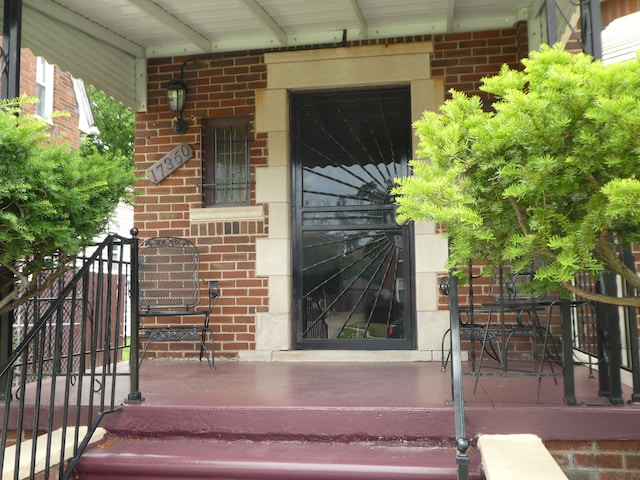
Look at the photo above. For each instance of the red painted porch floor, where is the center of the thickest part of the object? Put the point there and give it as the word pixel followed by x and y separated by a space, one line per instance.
pixel 416 388
pixel 240 410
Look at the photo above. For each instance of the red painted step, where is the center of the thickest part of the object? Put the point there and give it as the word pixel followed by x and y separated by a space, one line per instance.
pixel 186 458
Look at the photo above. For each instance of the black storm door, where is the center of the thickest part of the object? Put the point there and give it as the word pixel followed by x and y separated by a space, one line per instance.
pixel 352 264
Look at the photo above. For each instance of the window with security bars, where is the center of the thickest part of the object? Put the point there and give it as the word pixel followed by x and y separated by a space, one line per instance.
pixel 225 154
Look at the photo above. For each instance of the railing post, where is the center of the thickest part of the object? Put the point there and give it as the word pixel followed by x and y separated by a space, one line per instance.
pixel 6 335
pixel 632 329
pixel 567 353
pixel 462 443
pixel 134 372
pixel 591 27
pixel 6 332
pixel 552 23
pixel 609 345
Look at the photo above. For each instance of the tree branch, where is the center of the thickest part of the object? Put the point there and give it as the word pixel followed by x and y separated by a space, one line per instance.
pixel 610 258
pixel 516 209
pixel 597 297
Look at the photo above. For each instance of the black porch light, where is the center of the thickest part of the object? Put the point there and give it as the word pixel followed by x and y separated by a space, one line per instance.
pixel 176 96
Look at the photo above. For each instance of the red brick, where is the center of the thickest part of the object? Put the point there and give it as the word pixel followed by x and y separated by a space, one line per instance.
pixel 613 475
pixel 632 462
pixel 598 460
pixel 619 445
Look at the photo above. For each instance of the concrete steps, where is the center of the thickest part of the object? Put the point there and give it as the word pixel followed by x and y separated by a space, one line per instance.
pixel 186 458
pixel 147 441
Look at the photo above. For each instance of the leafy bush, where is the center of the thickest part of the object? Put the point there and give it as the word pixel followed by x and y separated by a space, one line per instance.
pixel 53 202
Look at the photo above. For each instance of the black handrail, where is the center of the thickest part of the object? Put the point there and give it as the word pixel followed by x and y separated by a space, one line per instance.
pixel 462 443
pixel 70 346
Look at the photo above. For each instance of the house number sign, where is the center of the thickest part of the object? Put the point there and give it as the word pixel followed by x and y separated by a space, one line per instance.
pixel 169 163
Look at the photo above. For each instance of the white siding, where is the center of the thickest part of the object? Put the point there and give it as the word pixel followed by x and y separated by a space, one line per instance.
pixel 621 39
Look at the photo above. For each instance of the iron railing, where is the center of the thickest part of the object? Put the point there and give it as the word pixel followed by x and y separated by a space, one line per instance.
pixel 605 337
pixel 462 443
pixel 69 347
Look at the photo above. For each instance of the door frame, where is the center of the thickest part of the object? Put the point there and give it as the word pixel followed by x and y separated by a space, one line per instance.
pixel 406 63
pixel 298 228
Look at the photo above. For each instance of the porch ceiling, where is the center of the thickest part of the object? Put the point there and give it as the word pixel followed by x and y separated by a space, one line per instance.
pixel 107 42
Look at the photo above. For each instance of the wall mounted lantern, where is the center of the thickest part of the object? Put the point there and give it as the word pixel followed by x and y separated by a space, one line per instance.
pixel 176 96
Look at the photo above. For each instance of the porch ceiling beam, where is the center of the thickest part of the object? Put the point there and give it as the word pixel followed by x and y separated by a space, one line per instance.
pixel 201 42
pixel 267 21
pixel 362 23
pixel 84 25
pixel 451 9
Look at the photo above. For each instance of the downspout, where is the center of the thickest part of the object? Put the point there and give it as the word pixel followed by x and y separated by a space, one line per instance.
pixel 11 40
pixel 10 78
pixel 591 26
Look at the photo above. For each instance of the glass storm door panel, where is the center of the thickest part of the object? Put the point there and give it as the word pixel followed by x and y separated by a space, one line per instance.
pixel 351 262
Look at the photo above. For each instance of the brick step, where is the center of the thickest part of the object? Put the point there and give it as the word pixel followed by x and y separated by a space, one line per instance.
pixel 186 458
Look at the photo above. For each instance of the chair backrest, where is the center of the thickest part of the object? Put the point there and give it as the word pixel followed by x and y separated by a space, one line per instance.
pixel 168 274
pixel 515 286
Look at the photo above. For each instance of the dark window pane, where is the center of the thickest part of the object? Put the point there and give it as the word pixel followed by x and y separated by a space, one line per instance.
pixel 225 161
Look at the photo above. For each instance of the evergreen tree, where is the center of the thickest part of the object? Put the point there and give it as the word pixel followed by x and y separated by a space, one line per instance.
pixel 550 173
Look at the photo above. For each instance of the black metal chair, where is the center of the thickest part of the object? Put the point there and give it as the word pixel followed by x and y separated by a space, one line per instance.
pixel 169 286
pixel 512 293
pixel 469 327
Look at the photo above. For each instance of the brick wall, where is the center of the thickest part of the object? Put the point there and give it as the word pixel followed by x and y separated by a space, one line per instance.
pixel 231 256
pixel 463 59
pixel 64 100
pixel 224 85
pixel 613 9
pixel 598 460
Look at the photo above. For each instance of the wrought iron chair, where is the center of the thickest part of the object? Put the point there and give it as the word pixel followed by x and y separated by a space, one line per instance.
pixel 508 294
pixel 512 294
pixel 469 327
pixel 169 286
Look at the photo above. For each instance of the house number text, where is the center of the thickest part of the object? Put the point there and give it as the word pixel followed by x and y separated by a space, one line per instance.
pixel 169 163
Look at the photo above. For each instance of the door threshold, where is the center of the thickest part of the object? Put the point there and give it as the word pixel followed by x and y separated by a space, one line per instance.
pixel 340 356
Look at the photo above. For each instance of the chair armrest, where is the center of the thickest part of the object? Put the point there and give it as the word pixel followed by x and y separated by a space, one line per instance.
pixel 214 288
pixel 214 293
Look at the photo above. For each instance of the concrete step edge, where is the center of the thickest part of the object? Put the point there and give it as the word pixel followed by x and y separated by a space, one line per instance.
pixel 191 458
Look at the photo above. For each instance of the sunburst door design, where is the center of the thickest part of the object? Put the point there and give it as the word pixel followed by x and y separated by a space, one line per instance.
pixel 352 262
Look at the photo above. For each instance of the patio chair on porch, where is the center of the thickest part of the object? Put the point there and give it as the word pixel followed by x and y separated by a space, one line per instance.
pixel 517 307
pixel 470 327
pixel 169 288
pixel 506 309
pixel 511 294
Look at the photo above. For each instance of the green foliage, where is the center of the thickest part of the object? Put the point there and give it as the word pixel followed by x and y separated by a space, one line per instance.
pixel 551 172
pixel 116 124
pixel 53 201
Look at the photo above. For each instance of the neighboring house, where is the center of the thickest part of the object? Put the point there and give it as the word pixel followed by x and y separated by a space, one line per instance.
pixel 58 91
